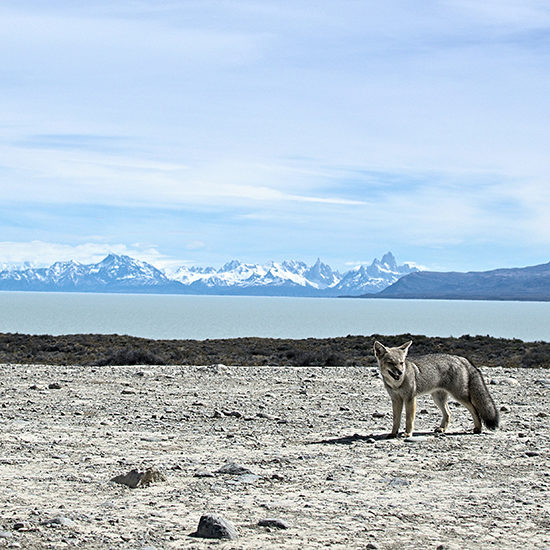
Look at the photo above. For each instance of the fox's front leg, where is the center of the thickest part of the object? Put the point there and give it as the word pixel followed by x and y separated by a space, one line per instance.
pixel 410 412
pixel 397 407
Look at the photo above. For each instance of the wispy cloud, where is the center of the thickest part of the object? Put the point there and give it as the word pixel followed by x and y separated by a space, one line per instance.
pixel 78 142
pixel 42 254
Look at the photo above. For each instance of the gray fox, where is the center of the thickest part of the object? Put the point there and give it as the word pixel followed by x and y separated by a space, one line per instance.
pixel 440 375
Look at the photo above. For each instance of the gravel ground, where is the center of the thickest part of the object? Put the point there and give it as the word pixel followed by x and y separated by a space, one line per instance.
pixel 311 440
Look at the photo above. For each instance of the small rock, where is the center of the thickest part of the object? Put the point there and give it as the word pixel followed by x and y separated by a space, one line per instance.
pixel 59 521
pixel 532 453
pixel 274 522
pixel 377 414
pixel 212 526
pixel 541 414
pixel 23 526
pixel 203 473
pixel 544 382
pixel 233 469
pixel 505 408
pixel 6 534
pixel 509 381
pixel 397 482
pixel 235 414
pixel 372 546
pixel 135 478
pixel 247 478
pixel 54 386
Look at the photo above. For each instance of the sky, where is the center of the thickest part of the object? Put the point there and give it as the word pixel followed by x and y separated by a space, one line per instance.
pixel 195 132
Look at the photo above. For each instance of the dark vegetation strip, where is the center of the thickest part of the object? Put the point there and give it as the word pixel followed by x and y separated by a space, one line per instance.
pixel 114 349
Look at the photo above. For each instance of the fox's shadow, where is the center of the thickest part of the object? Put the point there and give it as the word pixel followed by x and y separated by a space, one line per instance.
pixel 373 438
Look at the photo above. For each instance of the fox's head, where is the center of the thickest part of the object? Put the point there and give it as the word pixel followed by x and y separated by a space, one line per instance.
pixel 392 362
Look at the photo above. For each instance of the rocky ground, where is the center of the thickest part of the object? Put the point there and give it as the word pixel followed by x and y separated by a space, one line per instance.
pixel 308 449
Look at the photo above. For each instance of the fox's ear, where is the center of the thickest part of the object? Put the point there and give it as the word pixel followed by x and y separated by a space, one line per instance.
pixel 405 347
pixel 379 349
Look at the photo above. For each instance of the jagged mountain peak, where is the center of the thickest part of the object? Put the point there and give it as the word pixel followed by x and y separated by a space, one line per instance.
pixel 389 260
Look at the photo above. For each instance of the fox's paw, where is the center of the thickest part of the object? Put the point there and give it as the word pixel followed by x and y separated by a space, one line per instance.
pixel 406 434
pixel 477 430
pixel 391 436
pixel 440 430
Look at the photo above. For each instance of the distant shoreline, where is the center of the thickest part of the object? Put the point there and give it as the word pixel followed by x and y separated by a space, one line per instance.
pixel 114 349
pixel 239 294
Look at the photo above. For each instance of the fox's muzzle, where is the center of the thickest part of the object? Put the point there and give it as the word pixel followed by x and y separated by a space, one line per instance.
pixel 395 375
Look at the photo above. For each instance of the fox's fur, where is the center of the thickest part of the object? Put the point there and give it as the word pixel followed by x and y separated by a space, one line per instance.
pixel 440 375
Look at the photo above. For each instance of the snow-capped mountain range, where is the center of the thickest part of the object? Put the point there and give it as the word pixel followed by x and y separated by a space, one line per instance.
pixel 117 273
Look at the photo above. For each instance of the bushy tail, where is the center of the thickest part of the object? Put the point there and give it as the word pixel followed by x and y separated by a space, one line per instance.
pixel 482 400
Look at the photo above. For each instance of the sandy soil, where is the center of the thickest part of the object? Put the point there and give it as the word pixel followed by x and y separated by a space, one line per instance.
pixel 312 438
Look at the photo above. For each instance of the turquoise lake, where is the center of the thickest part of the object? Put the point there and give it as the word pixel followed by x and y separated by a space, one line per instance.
pixel 202 317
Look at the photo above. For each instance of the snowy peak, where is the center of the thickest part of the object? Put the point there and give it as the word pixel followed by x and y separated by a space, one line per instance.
pixel 119 273
pixel 293 277
pixel 112 274
pixel 322 275
pixel 375 277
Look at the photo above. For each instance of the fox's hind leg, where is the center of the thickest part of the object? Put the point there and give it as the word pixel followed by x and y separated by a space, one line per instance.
pixel 440 398
pixel 475 416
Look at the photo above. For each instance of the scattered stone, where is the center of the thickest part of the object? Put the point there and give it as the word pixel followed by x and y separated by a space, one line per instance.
pixel 509 381
pixel 153 438
pixel 54 386
pixel 235 414
pixel 544 382
pixel 274 522
pixel 60 457
pixel 377 414
pixel 234 469
pixel 34 387
pixel 372 546
pixel 24 526
pixel 532 453
pixel 397 482
pixel 212 526
pixel 505 408
pixel 203 473
pixel 6 534
pixel 247 478
pixel 541 414
pixel 59 521
pixel 135 478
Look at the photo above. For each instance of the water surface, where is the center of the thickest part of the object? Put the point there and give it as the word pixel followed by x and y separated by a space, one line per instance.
pixel 202 317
